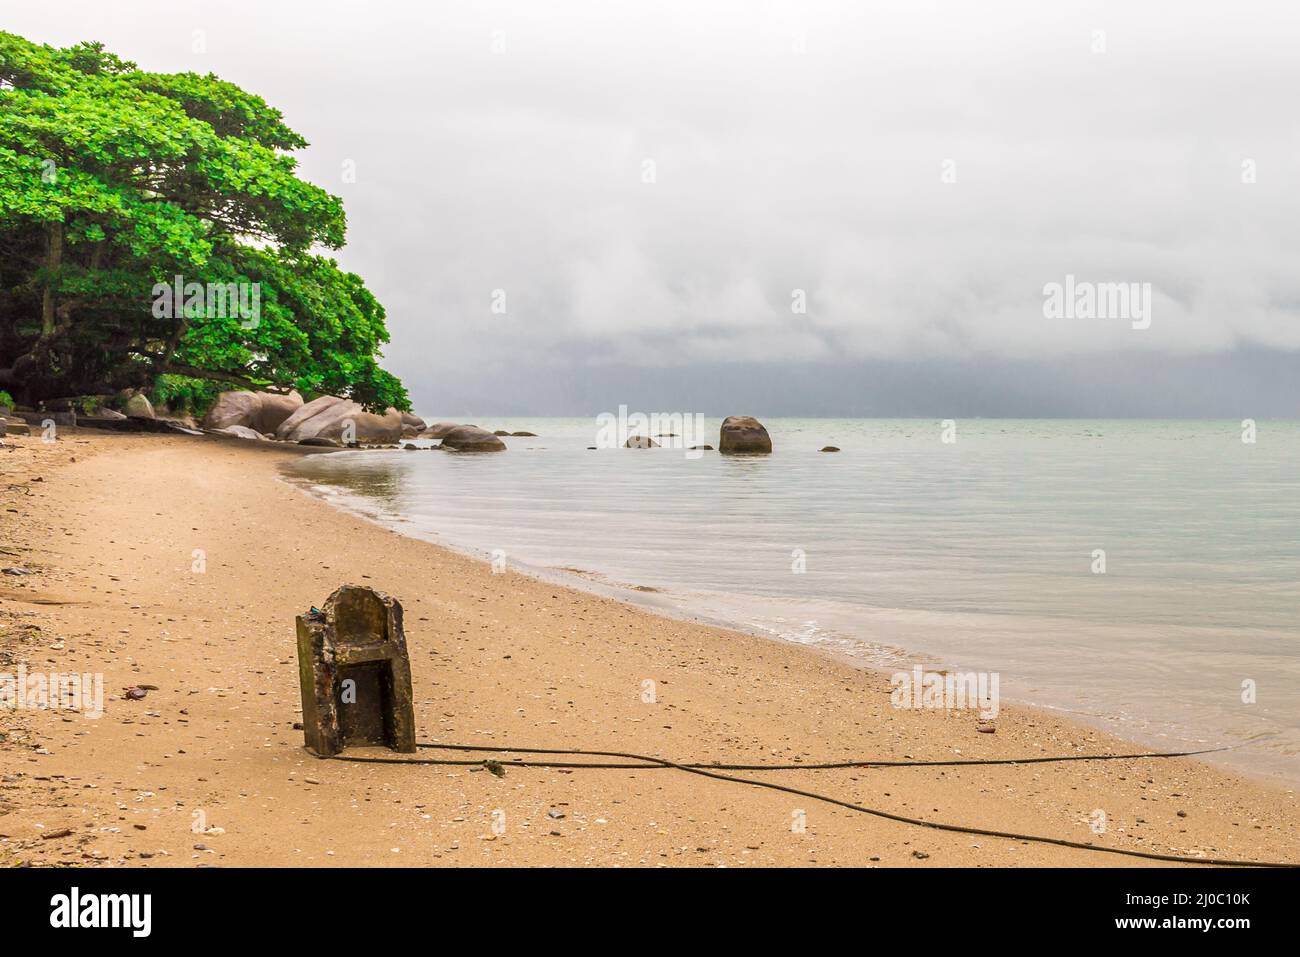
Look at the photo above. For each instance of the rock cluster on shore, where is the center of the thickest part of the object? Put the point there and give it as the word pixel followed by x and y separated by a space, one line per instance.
pixel 260 412
pixel 343 420
pixel 325 421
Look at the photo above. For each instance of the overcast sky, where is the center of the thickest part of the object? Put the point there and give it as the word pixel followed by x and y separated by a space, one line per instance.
pixel 651 184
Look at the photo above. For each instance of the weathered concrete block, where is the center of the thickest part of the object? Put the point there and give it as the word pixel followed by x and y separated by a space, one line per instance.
pixel 355 674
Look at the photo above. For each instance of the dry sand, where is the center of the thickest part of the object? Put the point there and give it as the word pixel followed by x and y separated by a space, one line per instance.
pixel 109 526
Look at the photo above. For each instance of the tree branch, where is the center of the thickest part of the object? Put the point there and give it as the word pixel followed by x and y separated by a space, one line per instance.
pixel 194 372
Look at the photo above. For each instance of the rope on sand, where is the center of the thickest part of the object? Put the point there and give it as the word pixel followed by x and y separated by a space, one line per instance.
pixel 711 770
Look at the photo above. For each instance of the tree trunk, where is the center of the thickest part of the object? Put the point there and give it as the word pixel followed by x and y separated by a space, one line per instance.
pixel 53 260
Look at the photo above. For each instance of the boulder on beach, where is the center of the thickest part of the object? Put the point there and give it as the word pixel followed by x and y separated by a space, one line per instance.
pixel 743 434
pixel 438 430
pixel 500 432
pixel 640 442
pixel 831 448
pixel 260 411
pixel 14 427
pixel 326 409
pixel 317 440
pixel 383 429
pixel 330 417
pixel 518 435
pixel 470 438
pixel 241 432
pixel 412 425
pixel 231 409
pixel 138 406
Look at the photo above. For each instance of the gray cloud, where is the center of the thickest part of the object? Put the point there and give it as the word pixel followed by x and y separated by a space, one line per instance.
pixel 502 146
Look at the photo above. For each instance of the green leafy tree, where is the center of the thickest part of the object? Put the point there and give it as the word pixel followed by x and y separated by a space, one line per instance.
pixel 113 183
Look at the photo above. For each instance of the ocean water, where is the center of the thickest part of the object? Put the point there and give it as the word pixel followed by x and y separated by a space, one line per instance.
pixel 977 554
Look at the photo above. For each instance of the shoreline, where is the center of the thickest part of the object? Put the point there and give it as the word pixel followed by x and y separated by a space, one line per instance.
pixel 496 659
pixel 882 659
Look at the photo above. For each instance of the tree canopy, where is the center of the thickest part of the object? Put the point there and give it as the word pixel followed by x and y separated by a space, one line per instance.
pixel 114 182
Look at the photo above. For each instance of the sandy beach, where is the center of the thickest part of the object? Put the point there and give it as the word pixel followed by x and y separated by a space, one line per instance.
pixel 180 563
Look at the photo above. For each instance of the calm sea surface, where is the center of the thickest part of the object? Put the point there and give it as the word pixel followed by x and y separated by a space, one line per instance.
pixel 979 554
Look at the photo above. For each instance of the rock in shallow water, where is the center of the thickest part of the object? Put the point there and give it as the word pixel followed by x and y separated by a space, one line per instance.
pixel 743 434
pixel 470 438
pixel 438 430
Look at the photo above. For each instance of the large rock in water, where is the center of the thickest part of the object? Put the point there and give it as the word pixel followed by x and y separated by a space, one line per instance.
pixel 139 406
pixel 743 434
pixel 260 411
pixel 640 442
pixel 329 417
pixel 470 438
pixel 438 430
